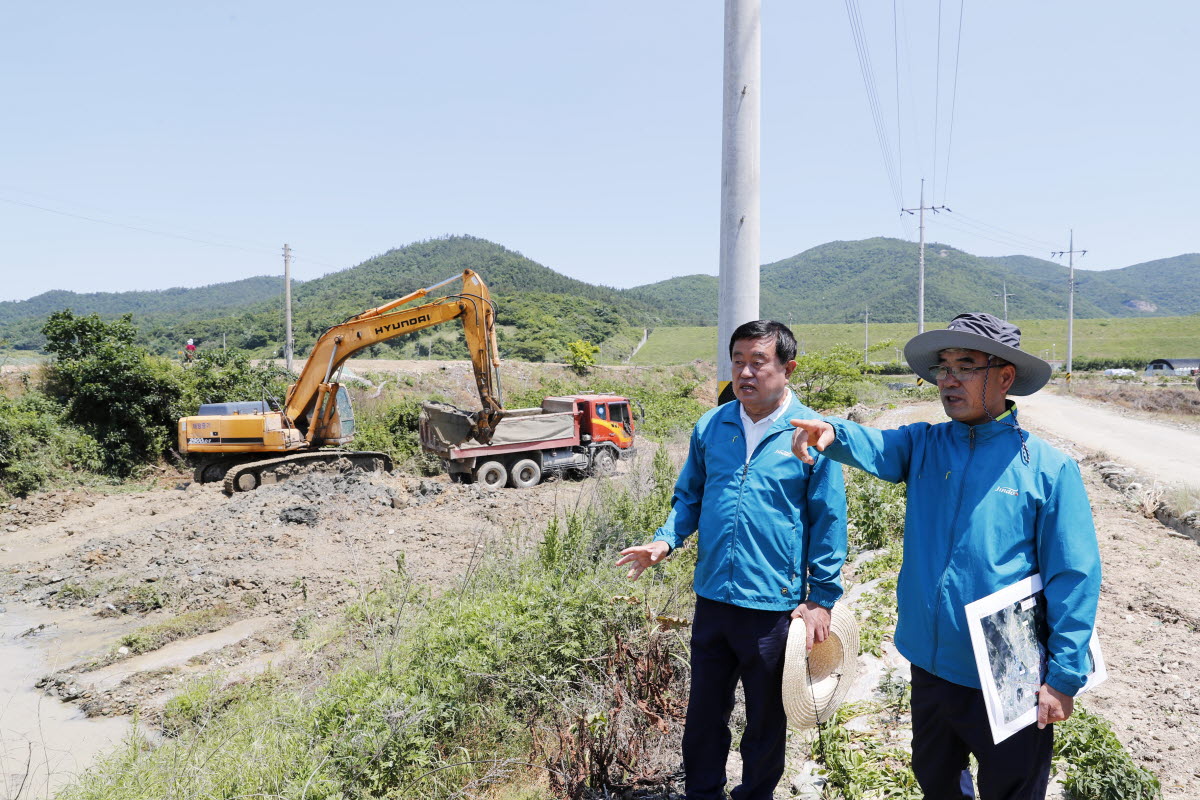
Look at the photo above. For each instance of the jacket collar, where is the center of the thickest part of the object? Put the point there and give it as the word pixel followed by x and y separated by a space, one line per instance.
pixel 734 415
pixel 987 430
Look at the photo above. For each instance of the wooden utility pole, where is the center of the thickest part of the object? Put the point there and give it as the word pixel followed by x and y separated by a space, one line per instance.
pixel 921 209
pixel 287 306
pixel 1070 254
pixel 737 302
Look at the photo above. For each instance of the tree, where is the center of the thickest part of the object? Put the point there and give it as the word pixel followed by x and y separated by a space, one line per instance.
pixel 826 380
pixel 227 375
pixel 581 355
pixel 127 400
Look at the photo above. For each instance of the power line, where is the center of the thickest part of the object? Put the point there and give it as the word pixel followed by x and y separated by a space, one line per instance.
pixel 937 91
pixel 154 232
pixel 953 101
pixel 896 67
pixel 947 222
pixel 868 74
pixel 1028 242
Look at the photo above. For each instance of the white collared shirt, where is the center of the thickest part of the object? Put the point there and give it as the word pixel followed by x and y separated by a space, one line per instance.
pixel 756 430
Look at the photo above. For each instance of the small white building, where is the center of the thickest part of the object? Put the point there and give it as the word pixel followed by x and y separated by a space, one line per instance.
pixel 1173 366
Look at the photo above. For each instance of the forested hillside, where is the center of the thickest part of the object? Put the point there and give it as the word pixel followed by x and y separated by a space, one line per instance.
pixel 541 310
pixel 838 281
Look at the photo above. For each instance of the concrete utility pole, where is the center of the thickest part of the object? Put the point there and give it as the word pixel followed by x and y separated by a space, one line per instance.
pixel 287 306
pixel 921 209
pixel 1070 254
pixel 740 211
pixel 1005 294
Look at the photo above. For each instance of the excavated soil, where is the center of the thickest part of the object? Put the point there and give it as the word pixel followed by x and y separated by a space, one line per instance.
pixel 79 570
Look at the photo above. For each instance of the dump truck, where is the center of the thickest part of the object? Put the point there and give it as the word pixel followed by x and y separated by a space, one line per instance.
pixel 248 443
pixel 584 434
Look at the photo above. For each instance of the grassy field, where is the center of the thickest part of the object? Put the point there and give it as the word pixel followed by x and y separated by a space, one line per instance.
pixel 1152 337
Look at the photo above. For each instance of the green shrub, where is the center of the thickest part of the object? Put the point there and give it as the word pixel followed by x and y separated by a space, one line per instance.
pixel 581 356
pixel 127 400
pixel 219 376
pixel 1084 364
pixel 1097 766
pixel 876 510
pixel 393 427
pixel 825 380
pixel 40 447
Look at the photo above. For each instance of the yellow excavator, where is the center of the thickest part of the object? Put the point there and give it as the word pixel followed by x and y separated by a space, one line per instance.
pixel 247 443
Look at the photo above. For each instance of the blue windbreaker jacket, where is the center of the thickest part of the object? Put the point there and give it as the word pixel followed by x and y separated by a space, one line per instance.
pixel 980 519
pixel 756 518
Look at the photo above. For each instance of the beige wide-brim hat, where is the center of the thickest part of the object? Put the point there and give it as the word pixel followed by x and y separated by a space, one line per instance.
pixel 987 334
pixel 815 683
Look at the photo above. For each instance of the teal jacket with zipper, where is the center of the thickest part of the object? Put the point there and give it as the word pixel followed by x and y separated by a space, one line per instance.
pixel 979 518
pixel 771 529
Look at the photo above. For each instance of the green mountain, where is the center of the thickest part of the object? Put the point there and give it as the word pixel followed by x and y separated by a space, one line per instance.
pixel 692 299
pixel 540 310
pixel 217 297
pixel 838 281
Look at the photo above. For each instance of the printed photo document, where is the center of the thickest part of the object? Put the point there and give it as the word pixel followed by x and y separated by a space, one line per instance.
pixel 1008 633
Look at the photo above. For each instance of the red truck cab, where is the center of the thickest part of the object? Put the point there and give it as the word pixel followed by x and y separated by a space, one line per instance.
pixel 606 418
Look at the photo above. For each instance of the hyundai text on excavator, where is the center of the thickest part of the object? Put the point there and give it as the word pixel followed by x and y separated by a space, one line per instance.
pixel 248 444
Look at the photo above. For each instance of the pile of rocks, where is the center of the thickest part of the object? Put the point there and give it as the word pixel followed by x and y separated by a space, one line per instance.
pixel 1150 499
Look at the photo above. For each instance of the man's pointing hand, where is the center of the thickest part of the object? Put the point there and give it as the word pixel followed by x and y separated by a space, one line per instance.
pixel 810 432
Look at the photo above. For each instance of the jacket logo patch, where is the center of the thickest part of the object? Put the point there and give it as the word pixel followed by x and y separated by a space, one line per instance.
pixel 784 453
pixel 1006 490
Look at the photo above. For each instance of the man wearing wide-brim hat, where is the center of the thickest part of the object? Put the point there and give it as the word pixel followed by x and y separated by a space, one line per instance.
pixel 988 505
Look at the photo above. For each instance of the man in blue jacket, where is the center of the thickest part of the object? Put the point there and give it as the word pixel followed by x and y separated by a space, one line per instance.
pixel 771 544
pixel 988 505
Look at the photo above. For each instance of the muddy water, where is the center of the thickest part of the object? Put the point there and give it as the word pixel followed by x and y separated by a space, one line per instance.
pixel 44 743
pixel 175 654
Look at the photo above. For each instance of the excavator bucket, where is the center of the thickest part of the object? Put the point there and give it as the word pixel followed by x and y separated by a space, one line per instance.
pixel 452 426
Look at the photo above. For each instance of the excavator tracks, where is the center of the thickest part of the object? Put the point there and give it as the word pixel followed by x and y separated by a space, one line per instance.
pixel 247 477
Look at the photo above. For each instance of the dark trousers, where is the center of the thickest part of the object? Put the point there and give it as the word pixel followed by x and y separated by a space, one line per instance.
pixel 950 721
pixel 731 643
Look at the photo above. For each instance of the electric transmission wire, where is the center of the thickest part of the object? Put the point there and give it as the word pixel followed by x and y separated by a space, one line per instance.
pixel 1018 245
pixel 896 68
pixel 937 92
pixel 167 234
pixel 953 101
pixel 868 74
pixel 1028 242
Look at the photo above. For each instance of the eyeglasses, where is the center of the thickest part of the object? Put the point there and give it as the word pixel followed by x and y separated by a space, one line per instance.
pixel 941 371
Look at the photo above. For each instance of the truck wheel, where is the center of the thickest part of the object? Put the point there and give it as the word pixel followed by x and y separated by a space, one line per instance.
pixel 524 474
pixel 492 474
pixel 603 463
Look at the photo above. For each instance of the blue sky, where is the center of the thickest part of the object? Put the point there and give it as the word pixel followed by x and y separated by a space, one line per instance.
pixel 584 135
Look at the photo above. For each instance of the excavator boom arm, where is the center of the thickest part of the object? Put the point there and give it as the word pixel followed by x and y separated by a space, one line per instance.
pixel 473 306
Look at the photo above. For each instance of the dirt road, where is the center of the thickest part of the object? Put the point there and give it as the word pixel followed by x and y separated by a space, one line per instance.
pixel 1169 454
